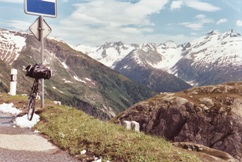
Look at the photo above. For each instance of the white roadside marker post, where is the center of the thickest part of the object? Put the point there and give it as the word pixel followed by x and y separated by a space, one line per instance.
pixel 13 82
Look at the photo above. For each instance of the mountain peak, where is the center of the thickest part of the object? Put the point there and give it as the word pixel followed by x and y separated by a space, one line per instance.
pixel 234 34
pixel 112 44
pixel 213 32
pixel 229 34
pixel 169 44
pixel 148 47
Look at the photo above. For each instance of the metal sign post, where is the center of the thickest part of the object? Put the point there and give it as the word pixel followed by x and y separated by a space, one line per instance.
pixel 40 28
pixel 42 58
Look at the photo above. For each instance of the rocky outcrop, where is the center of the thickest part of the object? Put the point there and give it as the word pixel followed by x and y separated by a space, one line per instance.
pixel 210 116
pixel 213 154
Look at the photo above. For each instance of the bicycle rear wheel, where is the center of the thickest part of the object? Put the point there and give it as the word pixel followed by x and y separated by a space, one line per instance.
pixel 31 107
pixel 31 100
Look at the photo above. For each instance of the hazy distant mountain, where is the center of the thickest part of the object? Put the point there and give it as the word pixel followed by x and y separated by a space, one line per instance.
pixel 211 59
pixel 141 63
pixel 137 66
pixel 77 80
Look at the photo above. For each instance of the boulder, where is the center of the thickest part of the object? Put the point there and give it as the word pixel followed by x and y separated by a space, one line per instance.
pixel 209 116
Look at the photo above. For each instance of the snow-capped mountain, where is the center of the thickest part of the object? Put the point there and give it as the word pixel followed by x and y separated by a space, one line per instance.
pixel 225 47
pixel 211 59
pixel 118 51
pixel 162 56
pixel 195 62
pixel 143 63
pixel 11 45
pixel 77 79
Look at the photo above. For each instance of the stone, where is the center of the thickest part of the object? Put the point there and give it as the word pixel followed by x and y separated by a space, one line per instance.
pixel 207 118
pixel 131 125
pixel 127 124
pixel 135 126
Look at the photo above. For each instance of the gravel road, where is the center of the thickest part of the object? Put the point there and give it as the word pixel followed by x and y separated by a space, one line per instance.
pixel 23 145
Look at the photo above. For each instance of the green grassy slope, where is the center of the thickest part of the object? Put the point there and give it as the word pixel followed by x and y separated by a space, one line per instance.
pixel 75 131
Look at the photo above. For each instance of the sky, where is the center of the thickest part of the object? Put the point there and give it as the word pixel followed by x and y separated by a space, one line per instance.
pixel 94 22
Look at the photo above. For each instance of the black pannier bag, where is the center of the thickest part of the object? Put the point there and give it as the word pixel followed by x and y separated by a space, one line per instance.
pixel 38 71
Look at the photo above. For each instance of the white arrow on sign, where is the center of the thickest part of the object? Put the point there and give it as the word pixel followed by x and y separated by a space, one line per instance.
pixel 35 28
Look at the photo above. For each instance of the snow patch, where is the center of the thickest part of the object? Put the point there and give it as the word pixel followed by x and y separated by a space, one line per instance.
pixel 85 49
pixel 88 79
pixel 9 108
pixel 66 81
pixel 79 80
pixel 64 65
pixel 22 121
pixel 58 89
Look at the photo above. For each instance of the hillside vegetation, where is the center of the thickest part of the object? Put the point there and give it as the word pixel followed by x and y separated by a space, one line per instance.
pixel 75 131
pixel 77 80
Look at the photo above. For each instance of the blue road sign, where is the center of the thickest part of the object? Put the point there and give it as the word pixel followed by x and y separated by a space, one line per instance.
pixel 41 7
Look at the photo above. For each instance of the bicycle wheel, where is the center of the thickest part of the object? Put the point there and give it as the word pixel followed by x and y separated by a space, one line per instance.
pixel 31 100
pixel 31 107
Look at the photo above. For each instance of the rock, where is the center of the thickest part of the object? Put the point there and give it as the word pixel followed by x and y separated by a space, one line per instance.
pixel 207 102
pixel 127 124
pixel 131 125
pixel 57 102
pixel 135 126
pixel 216 154
pixel 211 117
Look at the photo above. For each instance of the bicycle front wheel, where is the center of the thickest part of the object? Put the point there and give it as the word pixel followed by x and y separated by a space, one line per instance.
pixel 31 106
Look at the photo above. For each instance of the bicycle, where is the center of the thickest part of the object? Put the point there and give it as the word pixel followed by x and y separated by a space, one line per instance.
pixel 32 98
pixel 37 72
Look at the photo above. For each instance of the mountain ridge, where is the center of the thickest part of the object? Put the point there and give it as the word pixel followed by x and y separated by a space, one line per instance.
pixel 196 62
pixel 77 79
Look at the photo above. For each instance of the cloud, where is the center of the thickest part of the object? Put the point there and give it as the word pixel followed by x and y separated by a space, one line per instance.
pixel 19 25
pixel 200 16
pixel 119 13
pixel 107 20
pixel 221 21
pixel 201 6
pixel 12 1
pixel 176 5
pixel 193 26
pixel 239 23
pixel 198 24
pixel 195 4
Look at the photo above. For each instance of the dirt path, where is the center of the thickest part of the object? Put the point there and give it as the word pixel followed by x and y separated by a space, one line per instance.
pixel 23 145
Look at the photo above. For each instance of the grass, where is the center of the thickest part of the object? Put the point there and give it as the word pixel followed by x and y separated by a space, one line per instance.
pixel 74 131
